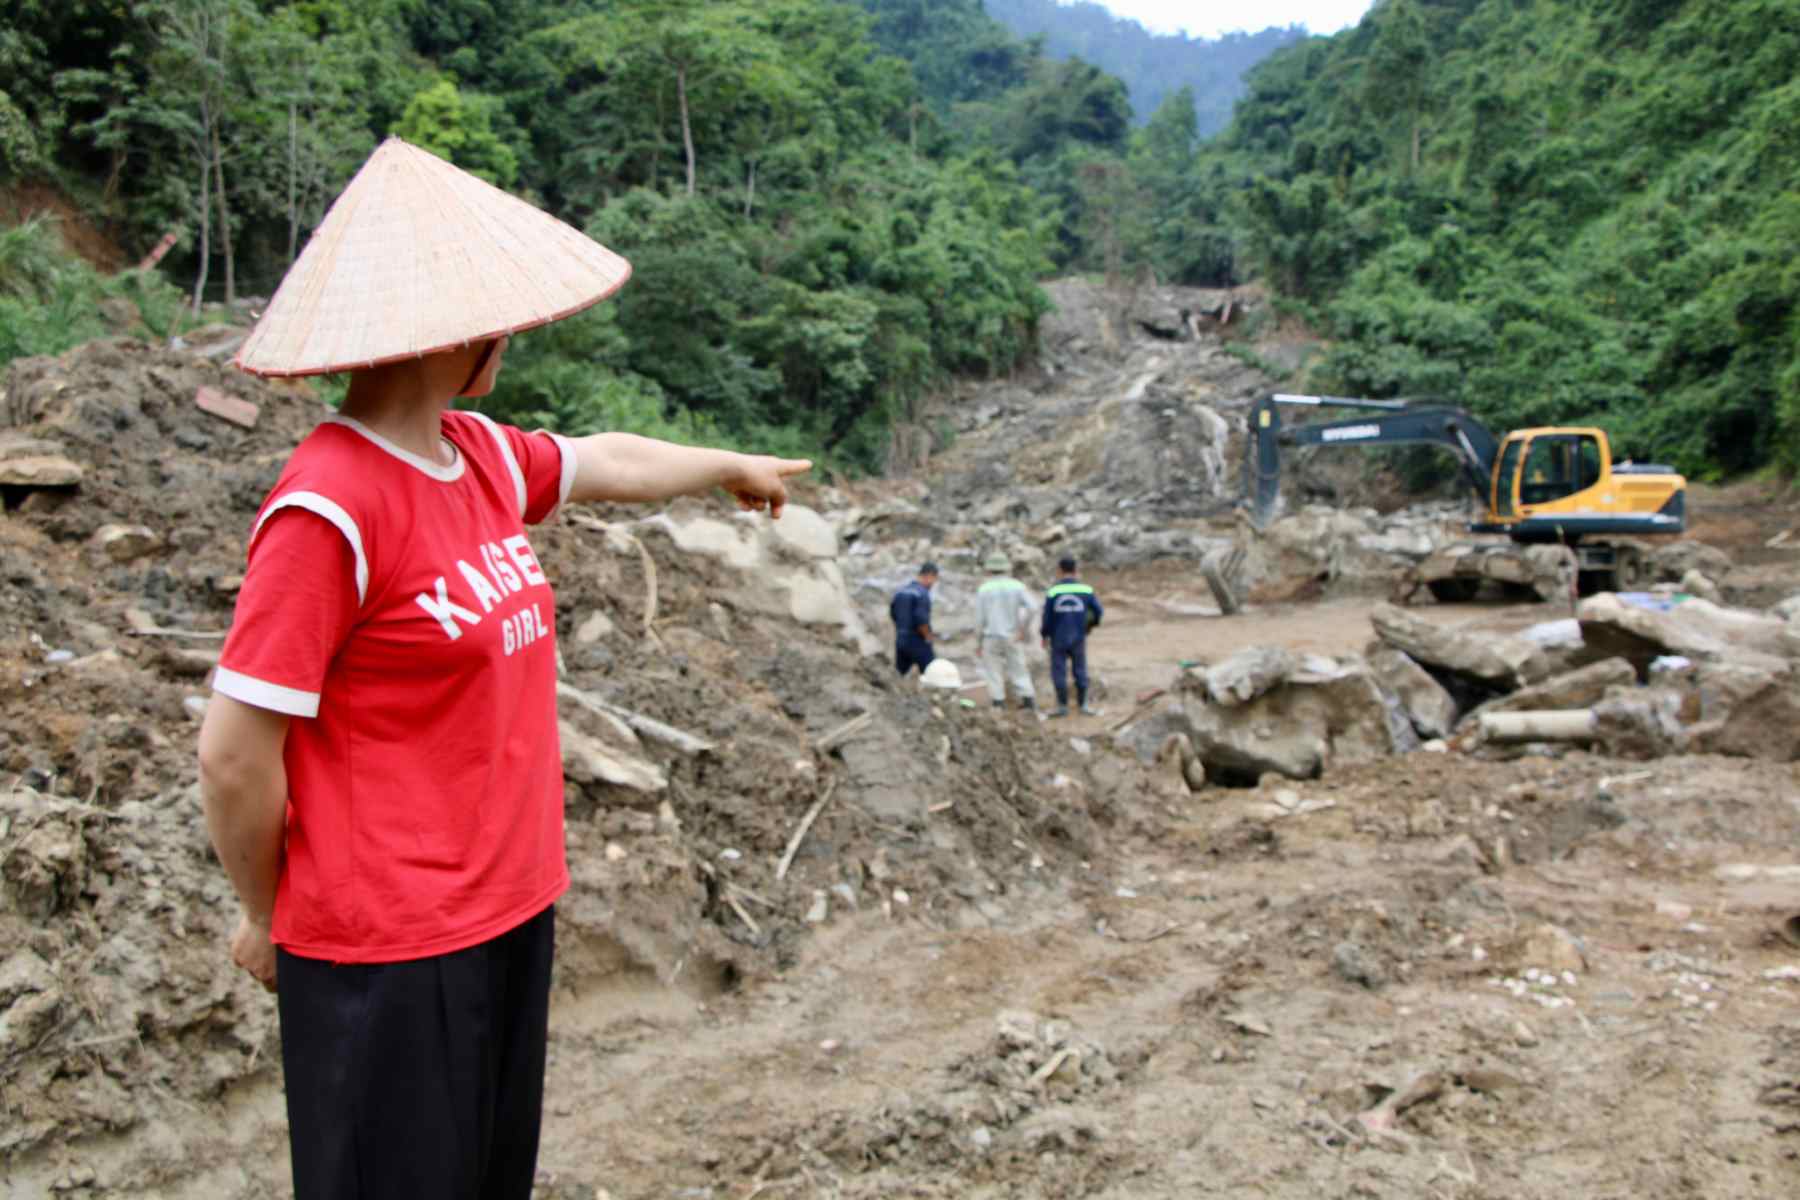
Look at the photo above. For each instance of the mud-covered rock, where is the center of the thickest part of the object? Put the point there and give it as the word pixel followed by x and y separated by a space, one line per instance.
pixel 1496 660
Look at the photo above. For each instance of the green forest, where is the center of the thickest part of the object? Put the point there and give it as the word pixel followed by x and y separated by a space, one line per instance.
pixel 1548 211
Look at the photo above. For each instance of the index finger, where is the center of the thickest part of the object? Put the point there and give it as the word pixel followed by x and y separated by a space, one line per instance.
pixel 792 466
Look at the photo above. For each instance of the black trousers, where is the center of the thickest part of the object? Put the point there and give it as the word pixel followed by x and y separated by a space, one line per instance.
pixel 422 1078
pixel 911 650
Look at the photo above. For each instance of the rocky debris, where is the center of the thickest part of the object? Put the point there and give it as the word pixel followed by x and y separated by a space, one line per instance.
pixel 32 463
pixel 1427 703
pixel 122 543
pixel 1641 630
pixel 1247 674
pixel 706 657
pixel 1580 688
pixel 1673 560
pixel 1492 660
pixel 1321 711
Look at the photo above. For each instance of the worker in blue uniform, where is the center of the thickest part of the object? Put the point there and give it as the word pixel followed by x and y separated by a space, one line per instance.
pixel 1070 610
pixel 911 610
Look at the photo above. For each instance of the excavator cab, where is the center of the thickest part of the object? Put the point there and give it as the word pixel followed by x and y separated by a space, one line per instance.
pixel 1556 466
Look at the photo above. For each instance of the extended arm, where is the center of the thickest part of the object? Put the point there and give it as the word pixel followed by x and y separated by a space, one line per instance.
pixel 243 786
pixel 626 467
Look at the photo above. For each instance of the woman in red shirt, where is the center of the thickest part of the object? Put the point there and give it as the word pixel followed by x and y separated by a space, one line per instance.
pixel 379 762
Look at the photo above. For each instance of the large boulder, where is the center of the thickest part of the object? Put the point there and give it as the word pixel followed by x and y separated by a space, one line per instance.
pixel 1325 712
pixel 1493 660
pixel 1642 628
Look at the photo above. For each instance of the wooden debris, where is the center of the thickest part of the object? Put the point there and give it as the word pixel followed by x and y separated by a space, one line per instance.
pixel 1382 1118
pixel 1249 1022
pixel 1144 701
pixel 227 407
pixel 650 727
pixel 755 929
pixel 828 742
pixel 157 251
pixel 142 624
pixel 812 814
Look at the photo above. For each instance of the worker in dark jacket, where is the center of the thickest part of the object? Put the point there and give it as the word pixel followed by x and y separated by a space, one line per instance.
pixel 911 610
pixel 1070 610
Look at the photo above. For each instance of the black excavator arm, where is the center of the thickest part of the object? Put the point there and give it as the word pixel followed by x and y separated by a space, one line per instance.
pixel 1390 422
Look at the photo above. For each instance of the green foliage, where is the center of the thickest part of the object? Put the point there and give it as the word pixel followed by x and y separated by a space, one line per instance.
pixel 1548 213
pixel 50 300
pixel 459 127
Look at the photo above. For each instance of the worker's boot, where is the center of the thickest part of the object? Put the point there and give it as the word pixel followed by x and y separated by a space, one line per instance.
pixel 1087 710
pixel 1062 707
pixel 999 704
pixel 1027 704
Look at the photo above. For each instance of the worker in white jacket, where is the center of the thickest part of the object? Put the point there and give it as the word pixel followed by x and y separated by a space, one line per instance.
pixel 1003 613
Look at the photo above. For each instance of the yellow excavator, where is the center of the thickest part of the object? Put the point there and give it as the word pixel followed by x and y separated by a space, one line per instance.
pixel 1551 486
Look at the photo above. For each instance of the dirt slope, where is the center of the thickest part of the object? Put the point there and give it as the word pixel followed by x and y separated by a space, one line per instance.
pixel 1042 969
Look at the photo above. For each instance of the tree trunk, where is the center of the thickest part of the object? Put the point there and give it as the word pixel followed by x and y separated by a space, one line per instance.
pixel 205 243
pixel 293 179
pixel 224 219
pixel 687 129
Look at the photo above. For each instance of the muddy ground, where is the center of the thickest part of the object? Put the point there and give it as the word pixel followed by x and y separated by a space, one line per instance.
pixel 1009 960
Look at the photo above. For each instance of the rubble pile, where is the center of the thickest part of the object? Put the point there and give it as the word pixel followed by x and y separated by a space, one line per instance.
pixel 1639 676
pixel 718 686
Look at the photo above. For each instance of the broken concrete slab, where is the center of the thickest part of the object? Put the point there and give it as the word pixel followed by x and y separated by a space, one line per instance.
pixel 1641 628
pixel 1497 660
pixel 1431 709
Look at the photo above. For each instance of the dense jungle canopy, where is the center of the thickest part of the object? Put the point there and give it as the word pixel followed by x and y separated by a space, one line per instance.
pixel 1549 211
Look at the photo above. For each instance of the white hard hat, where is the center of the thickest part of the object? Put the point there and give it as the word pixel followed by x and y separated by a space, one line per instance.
pixel 942 673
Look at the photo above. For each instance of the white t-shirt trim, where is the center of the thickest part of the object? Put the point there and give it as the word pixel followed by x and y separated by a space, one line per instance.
pixel 570 462
pixel 325 507
pixel 425 466
pixel 506 452
pixel 260 693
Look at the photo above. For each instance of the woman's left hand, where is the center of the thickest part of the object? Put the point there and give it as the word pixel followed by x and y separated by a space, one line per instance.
pixel 760 480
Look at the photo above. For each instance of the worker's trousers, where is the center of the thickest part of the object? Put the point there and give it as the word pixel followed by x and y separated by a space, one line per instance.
pixel 1003 663
pixel 1062 659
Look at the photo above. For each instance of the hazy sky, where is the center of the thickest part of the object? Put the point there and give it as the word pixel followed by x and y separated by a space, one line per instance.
pixel 1209 18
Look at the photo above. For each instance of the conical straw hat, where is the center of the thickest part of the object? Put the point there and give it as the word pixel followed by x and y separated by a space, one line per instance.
pixel 418 256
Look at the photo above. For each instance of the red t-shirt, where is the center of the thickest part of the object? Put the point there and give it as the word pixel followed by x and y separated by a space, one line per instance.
pixel 395 607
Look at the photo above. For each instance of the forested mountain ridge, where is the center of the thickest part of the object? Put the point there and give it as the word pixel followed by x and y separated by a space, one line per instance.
pixel 1153 66
pixel 1549 211
pixel 1540 209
